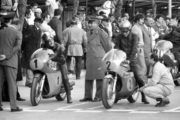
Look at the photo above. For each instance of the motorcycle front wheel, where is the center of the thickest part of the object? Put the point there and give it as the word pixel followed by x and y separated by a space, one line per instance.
pixel 36 93
pixel 108 96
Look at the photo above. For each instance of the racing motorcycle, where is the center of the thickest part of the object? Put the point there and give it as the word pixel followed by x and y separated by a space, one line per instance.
pixel 119 82
pixel 165 48
pixel 47 81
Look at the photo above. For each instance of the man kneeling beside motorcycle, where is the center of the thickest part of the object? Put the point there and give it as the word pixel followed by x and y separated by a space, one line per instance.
pixel 161 85
pixel 58 56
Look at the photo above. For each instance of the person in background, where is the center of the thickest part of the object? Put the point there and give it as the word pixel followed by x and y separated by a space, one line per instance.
pixel 38 13
pixel 161 85
pixel 56 25
pixel 45 27
pixel 75 41
pixel 10 44
pixel 98 44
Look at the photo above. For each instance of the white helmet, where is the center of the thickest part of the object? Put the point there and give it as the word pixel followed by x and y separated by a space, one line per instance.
pixel 125 24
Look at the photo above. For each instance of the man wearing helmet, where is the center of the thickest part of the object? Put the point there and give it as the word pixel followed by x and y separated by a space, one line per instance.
pixel 131 44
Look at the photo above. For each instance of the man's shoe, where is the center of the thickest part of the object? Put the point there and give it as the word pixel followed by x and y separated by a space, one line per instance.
pixel 20 99
pixel 145 101
pixel 69 100
pixel 85 99
pixel 16 109
pixel 1 109
pixel 162 103
pixel 97 99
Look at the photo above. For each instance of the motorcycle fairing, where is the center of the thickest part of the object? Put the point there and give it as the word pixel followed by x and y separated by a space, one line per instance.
pixel 55 81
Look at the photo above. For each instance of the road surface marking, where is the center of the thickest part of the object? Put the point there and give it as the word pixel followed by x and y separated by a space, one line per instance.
pixel 69 106
pixel 177 109
pixel 145 112
pixel 92 108
pixel 88 111
pixel 26 110
pixel 120 110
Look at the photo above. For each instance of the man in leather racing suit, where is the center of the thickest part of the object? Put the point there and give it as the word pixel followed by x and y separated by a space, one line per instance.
pixel 128 42
pixel 58 56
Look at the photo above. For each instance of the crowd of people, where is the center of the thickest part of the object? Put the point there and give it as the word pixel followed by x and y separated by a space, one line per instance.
pixel 86 41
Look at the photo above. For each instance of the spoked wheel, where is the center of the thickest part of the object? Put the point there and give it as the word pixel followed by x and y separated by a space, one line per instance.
pixel 133 98
pixel 36 93
pixel 61 96
pixel 108 96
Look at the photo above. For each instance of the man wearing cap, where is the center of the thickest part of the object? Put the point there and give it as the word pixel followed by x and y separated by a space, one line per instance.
pixel 98 45
pixel 56 25
pixel 10 44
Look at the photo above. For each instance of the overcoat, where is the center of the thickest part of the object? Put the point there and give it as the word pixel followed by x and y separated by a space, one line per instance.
pixel 98 44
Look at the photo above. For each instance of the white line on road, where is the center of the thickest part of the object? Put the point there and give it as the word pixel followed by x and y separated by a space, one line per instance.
pixel 92 108
pixel 145 112
pixel 120 110
pixel 69 106
pixel 35 110
pixel 89 111
pixel 177 109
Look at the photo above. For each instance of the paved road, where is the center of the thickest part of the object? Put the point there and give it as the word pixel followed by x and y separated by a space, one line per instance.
pixel 50 109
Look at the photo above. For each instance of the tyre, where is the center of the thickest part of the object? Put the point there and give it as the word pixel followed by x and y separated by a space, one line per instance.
pixel 175 74
pixel 61 96
pixel 36 93
pixel 108 97
pixel 133 98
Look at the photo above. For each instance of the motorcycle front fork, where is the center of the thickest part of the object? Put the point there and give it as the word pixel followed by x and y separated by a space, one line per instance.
pixel 114 85
pixel 42 84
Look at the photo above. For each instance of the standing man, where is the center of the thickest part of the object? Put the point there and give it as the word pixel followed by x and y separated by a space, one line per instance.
pixel 75 41
pixel 138 64
pixel 31 43
pixel 56 25
pixel 98 45
pixel 10 44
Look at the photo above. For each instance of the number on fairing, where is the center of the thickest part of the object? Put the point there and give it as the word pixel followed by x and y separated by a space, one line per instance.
pixel 108 65
pixel 35 62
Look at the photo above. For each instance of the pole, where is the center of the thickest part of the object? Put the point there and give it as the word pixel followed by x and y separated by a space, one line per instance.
pixel 154 7
pixel 170 8
pixel 134 2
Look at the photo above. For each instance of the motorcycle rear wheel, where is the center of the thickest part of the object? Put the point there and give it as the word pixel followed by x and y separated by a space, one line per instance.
pixel 36 95
pixel 108 97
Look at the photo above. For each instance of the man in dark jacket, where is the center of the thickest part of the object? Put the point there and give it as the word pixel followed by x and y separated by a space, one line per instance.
pixel 10 44
pixel 58 57
pixel 128 42
pixel 31 42
pixel 56 25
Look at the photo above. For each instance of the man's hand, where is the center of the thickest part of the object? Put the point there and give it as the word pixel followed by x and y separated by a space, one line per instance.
pixel 2 57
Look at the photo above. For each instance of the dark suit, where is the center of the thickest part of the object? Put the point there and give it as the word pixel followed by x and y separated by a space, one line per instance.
pixel 31 42
pixel 10 44
pixel 56 25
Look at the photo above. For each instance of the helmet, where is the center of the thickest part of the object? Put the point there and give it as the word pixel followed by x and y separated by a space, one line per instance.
pixel 125 24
